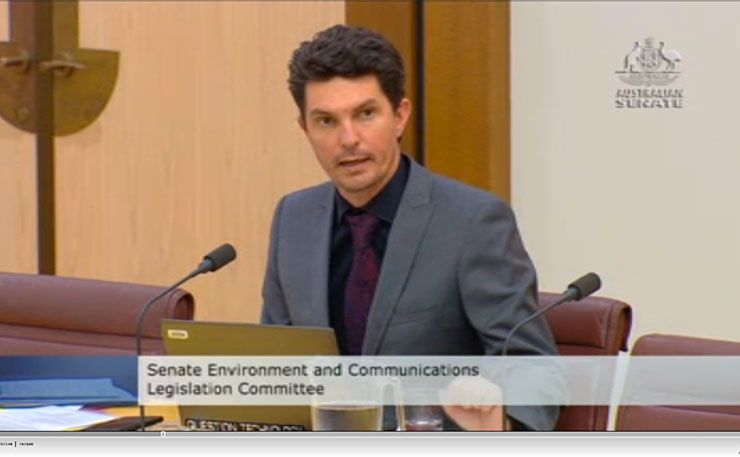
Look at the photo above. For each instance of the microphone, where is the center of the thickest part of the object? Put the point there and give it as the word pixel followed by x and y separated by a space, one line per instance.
pixel 213 261
pixel 578 289
pixel 216 259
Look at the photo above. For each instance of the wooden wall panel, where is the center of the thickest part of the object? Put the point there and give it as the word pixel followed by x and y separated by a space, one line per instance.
pixel 467 92
pixel 197 145
pixel 398 21
pixel 17 188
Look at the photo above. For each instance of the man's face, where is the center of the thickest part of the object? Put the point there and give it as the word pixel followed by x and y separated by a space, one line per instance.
pixel 354 132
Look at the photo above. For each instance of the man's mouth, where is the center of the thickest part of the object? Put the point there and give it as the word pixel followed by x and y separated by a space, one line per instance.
pixel 352 163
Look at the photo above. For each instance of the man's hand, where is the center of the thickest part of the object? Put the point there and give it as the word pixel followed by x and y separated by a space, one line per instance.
pixel 477 417
pixel 475 404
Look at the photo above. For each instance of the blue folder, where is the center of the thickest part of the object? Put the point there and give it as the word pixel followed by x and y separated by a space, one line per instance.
pixel 39 392
pixel 73 380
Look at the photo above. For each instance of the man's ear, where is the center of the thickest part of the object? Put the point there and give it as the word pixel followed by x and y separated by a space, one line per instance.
pixel 403 112
pixel 301 123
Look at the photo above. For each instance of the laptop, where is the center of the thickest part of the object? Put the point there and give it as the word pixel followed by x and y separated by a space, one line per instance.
pixel 184 337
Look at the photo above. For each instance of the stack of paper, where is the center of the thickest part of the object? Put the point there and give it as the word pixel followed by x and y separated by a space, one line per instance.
pixel 49 418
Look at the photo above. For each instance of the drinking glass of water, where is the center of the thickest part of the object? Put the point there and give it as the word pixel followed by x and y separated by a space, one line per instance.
pixel 354 404
pixel 422 411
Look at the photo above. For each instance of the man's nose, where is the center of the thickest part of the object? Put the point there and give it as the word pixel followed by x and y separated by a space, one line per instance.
pixel 348 136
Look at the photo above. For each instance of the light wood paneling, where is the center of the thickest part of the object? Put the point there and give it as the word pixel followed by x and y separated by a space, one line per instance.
pixel 467 92
pixel 17 189
pixel 196 146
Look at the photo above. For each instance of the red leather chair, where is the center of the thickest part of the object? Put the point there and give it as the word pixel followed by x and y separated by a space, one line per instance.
pixel 52 315
pixel 593 326
pixel 684 417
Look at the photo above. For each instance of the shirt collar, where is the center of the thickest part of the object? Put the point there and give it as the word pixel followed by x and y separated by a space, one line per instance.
pixel 384 205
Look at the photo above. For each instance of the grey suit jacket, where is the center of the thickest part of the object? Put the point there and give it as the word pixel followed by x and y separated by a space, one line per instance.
pixel 455 277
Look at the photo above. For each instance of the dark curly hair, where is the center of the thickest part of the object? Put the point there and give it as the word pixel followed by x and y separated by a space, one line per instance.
pixel 349 52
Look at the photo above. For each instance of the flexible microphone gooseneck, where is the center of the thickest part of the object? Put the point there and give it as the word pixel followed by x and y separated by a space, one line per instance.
pixel 578 289
pixel 212 261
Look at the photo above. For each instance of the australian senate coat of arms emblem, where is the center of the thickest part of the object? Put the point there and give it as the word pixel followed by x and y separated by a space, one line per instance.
pixel 650 64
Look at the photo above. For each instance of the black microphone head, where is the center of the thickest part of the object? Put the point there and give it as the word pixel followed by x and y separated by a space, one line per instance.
pixel 585 285
pixel 219 257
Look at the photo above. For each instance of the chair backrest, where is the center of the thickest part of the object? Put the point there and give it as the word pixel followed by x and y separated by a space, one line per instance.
pixel 684 417
pixel 52 315
pixel 593 326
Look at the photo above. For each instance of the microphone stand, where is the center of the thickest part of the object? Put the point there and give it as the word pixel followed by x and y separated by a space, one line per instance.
pixel 213 261
pixel 578 289
pixel 140 324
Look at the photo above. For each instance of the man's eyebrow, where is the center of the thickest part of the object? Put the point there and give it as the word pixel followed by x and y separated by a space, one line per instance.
pixel 366 104
pixel 318 112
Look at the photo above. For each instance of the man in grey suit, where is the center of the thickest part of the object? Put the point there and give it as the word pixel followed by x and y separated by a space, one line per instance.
pixel 398 260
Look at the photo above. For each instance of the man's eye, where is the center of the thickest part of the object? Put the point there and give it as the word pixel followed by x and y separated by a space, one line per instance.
pixel 325 121
pixel 367 113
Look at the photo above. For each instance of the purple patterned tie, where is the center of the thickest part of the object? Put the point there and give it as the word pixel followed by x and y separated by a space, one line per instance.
pixel 363 277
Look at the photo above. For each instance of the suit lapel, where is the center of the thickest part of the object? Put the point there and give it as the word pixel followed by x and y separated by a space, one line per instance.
pixel 404 239
pixel 317 251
